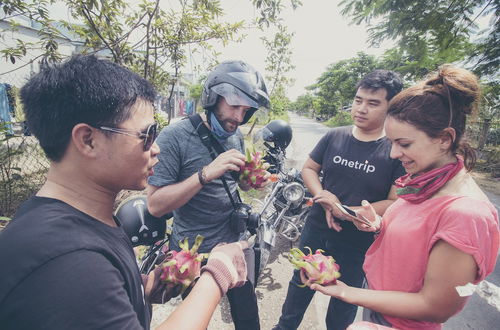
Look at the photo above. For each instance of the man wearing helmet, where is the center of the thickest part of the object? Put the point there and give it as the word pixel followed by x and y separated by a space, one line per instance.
pixel 356 166
pixel 187 180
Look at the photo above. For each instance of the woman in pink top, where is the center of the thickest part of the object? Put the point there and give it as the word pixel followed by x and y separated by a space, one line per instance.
pixel 442 232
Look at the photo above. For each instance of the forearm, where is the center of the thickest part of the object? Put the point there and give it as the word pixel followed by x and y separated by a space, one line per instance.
pixel 311 180
pixel 203 300
pixel 393 303
pixel 168 198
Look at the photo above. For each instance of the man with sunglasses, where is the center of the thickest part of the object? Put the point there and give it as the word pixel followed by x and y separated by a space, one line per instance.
pixel 65 261
pixel 188 181
pixel 149 135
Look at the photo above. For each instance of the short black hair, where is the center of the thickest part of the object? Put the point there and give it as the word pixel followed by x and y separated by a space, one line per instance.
pixel 84 89
pixel 387 79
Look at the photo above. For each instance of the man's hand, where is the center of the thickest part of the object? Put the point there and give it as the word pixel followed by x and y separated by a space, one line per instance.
pixel 327 201
pixel 230 160
pixel 267 180
pixel 330 221
pixel 246 187
pixel 157 291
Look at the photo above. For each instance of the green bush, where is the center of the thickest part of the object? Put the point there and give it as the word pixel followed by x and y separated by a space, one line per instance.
pixel 493 136
pixel 282 116
pixel 342 118
pixel 160 120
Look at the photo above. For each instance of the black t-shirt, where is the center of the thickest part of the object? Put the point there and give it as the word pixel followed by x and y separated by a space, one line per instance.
pixel 353 170
pixel 62 269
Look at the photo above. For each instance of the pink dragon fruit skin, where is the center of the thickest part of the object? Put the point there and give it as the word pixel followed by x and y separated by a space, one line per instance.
pixel 254 170
pixel 317 268
pixel 181 268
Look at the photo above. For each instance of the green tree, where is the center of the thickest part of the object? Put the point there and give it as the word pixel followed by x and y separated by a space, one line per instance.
pixel 161 53
pixel 278 65
pixel 151 41
pixel 280 103
pixel 304 105
pixel 489 110
pixel 335 88
pixel 38 12
pixel 432 32
pixel 278 59
pixel 270 10
pixel 195 91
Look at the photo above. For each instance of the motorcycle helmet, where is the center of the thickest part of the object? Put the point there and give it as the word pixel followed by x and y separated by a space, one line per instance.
pixel 239 83
pixel 276 131
pixel 140 226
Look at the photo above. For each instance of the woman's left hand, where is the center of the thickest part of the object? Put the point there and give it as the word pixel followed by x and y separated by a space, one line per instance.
pixel 368 212
pixel 334 290
pixel 337 290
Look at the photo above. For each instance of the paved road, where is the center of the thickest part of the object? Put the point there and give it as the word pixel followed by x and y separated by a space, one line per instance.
pixel 272 287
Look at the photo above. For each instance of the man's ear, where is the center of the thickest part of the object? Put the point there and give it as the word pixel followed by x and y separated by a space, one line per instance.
pixel 83 137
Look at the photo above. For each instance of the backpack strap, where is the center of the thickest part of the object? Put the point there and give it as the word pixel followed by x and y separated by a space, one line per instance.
pixel 211 143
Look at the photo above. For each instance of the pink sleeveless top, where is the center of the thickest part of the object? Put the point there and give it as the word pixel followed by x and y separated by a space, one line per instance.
pixel 397 260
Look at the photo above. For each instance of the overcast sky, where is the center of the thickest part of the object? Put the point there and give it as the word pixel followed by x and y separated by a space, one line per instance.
pixel 322 37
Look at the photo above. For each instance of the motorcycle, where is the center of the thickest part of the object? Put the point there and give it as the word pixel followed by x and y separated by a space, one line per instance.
pixel 143 229
pixel 284 210
pixel 154 234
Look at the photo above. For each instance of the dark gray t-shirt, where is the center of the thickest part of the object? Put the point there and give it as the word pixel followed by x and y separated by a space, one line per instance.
pixel 62 269
pixel 181 155
pixel 353 170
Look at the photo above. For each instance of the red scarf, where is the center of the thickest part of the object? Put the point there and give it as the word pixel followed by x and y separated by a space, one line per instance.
pixel 421 187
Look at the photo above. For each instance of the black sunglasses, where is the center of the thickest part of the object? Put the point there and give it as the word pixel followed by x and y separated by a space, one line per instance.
pixel 149 137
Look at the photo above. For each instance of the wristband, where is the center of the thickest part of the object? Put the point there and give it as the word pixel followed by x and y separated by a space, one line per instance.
pixel 220 274
pixel 201 176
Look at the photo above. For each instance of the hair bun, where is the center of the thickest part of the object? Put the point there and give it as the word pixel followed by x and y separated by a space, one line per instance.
pixel 462 85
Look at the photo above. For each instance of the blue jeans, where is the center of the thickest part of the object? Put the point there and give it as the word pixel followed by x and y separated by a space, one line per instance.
pixel 350 258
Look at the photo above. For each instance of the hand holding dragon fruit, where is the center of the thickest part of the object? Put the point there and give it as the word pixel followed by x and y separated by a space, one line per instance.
pixel 181 268
pixel 254 173
pixel 315 268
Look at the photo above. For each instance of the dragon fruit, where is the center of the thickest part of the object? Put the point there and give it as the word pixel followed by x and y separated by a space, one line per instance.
pixel 316 268
pixel 181 268
pixel 254 171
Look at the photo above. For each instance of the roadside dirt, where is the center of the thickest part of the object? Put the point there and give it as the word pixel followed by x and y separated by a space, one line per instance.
pixel 486 182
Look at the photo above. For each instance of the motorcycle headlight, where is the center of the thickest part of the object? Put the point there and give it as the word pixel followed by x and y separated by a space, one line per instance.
pixel 293 192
